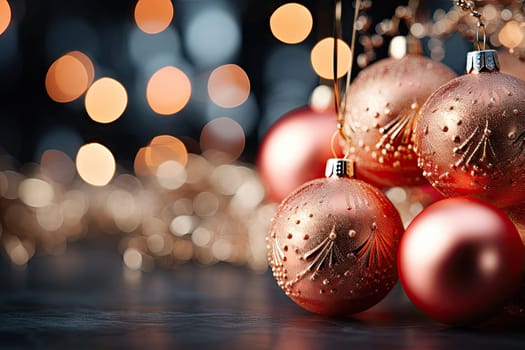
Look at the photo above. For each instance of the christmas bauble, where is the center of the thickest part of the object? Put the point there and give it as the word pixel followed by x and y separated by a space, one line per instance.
pixel 460 259
pixel 332 245
pixel 295 149
pixel 470 136
pixel 382 102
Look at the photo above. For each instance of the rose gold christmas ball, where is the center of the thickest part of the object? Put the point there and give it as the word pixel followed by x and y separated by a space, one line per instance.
pixel 382 103
pixel 470 138
pixel 332 246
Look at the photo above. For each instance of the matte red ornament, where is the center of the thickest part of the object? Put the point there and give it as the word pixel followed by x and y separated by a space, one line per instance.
pixel 382 103
pixel 460 259
pixel 470 135
pixel 295 149
pixel 333 244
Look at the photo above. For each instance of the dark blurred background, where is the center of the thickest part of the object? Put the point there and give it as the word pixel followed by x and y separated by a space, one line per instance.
pixel 281 75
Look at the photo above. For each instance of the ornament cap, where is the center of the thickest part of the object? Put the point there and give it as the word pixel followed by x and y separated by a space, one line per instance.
pixel 482 61
pixel 339 167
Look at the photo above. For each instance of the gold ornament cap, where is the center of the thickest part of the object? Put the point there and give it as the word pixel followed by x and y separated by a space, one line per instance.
pixel 482 61
pixel 339 167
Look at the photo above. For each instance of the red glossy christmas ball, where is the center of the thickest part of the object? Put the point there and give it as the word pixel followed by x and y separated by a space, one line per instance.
pixel 332 246
pixel 460 259
pixel 295 149
pixel 382 103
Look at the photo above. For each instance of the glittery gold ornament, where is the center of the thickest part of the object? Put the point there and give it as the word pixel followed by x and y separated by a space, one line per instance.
pixel 333 244
pixel 382 102
pixel 470 134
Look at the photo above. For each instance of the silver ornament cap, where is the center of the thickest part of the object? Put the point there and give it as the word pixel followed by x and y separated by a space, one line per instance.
pixel 339 167
pixel 482 61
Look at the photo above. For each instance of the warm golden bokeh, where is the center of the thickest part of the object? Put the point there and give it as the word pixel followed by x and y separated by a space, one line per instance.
pixel 153 16
pixel 95 164
pixel 511 35
pixel 322 58
pixel 106 100
pixel 168 90
pixel 36 193
pixel 88 64
pixel 164 148
pixel 139 165
pixel 5 15
pixel 291 23
pixel 69 77
pixel 223 135
pixel 161 149
pixel 229 86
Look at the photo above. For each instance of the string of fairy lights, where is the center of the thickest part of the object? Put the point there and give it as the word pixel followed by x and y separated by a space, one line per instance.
pixel 176 206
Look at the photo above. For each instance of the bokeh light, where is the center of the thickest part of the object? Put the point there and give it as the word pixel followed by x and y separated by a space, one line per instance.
pixel 58 166
pixel 95 164
pixel 5 15
pixel 35 193
pixel 511 34
pixel 86 62
pixel 291 23
pixel 9 53
pixel 164 148
pixel 398 47
pixel 161 149
pixel 171 175
pixel 132 259
pixel 223 135
pixel 153 16
pixel 168 90
pixel 212 35
pixel 106 100
pixel 322 57
pixel 229 86
pixel 69 77
pixel 139 165
pixel 322 98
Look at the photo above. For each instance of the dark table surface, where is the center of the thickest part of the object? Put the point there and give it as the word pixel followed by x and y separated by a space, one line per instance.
pixel 86 298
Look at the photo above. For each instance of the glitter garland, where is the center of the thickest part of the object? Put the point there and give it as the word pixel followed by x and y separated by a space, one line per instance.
pixel 211 212
pixel 503 26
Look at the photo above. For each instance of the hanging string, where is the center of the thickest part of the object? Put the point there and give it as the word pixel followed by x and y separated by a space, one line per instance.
pixel 471 8
pixel 341 107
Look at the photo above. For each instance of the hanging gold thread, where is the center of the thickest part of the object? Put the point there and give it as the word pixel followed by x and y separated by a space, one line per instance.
pixel 471 8
pixel 341 108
